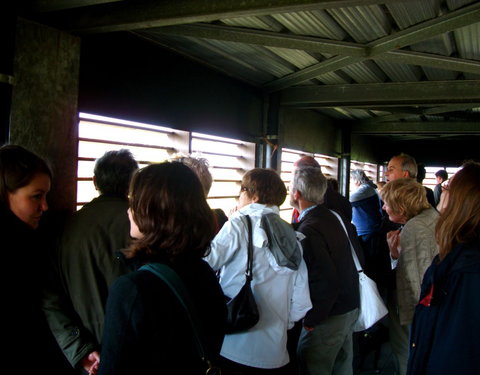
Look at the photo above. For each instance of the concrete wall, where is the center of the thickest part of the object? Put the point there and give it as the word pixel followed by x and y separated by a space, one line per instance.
pixel 309 131
pixel 44 103
pixel 366 149
pixel 127 77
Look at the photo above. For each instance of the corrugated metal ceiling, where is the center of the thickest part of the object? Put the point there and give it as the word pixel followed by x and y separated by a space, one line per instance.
pixel 418 46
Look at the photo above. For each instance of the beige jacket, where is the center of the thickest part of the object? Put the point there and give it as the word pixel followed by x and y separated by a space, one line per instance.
pixel 418 247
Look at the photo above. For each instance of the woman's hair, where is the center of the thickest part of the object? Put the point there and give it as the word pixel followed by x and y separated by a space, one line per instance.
pixel 266 184
pixel 18 166
pixel 168 205
pixel 405 196
pixel 460 221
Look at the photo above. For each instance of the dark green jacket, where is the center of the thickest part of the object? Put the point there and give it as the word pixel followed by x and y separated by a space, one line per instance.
pixel 86 266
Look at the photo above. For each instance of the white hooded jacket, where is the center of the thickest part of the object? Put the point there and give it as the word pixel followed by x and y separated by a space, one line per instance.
pixel 282 294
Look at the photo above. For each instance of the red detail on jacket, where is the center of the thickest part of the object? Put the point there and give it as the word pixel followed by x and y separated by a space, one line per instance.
pixel 427 300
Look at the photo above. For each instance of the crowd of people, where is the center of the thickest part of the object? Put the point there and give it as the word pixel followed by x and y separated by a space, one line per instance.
pixel 83 300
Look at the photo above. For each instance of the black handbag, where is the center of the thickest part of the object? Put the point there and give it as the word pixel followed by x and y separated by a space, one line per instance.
pixel 242 310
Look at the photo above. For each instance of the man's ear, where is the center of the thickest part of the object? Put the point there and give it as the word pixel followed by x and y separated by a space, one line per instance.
pixel 254 198
pixel 95 182
pixel 296 195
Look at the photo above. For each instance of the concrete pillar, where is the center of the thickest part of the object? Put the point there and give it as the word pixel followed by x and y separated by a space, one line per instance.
pixel 44 103
pixel 7 41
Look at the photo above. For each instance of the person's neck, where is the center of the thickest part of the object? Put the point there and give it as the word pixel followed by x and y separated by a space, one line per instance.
pixel 303 205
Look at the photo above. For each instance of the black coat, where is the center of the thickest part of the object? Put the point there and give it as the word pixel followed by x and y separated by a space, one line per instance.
pixel 146 328
pixel 29 344
pixel 332 274
pixel 446 330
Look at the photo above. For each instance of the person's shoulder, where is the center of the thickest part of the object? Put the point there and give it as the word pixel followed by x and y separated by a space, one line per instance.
pixel 103 202
pixel 316 217
pixel 428 216
pixel 126 284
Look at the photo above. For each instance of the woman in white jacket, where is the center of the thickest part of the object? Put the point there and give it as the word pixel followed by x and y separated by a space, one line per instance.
pixel 280 279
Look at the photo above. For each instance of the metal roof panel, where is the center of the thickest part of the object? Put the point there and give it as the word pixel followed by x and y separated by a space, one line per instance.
pixel 362 23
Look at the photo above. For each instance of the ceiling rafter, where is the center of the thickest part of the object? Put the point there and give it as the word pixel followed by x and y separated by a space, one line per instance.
pixel 131 15
pixel 454 110
pixel 377 94
pixel 314 44
pixel 448 22
pixel 56 5
pixel 434 127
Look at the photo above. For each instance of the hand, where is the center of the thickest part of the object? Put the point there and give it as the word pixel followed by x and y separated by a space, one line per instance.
pixel 91 362
pixel 393 240
pixel 232 211
pixel 443 201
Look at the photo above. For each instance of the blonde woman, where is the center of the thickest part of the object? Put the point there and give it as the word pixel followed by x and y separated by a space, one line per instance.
pixel 413 247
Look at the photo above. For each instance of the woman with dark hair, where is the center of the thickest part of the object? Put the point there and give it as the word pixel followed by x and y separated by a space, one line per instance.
pixel 25 181
pixel 446 323
pixel 280 280
pixel 146 328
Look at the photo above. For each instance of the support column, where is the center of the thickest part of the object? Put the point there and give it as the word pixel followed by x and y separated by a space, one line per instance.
pixel 344 175
pixel 44 114
pixel 7 43
pixel 272 153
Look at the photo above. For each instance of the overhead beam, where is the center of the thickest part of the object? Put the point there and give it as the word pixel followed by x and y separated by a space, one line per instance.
pixel 425 30
pixel 55 5
pixel 265 38
pixel 396 94
pixel 433 127
pixel 133 15
pixel 334 63
pixel 430 60
pixel 455 110
pixel 314 44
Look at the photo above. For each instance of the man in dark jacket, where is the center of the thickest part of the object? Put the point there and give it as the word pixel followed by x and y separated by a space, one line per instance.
pixel 86 263
pixel 326 339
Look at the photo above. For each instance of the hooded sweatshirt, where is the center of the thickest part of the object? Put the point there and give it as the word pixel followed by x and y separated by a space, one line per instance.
pixel 281 291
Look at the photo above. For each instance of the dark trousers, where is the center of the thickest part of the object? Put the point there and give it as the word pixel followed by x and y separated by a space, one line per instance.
pixel 233 368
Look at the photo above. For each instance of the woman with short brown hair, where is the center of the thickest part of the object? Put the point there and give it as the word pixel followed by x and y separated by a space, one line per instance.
pixel 146 329
pixel 280 280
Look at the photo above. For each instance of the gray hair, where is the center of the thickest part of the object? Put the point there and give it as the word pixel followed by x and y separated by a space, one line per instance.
pixel 311 183
pixel 408 164
pixel 358 175
pixel 201 168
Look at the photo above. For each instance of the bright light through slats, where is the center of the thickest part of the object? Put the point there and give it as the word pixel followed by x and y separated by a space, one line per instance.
pixel 229 160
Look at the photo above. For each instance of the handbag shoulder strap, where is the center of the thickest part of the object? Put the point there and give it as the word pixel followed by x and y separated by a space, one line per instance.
pixel 176 285
pixel 354 254
pixel 248 272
